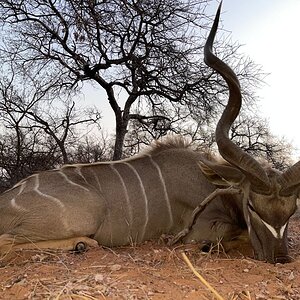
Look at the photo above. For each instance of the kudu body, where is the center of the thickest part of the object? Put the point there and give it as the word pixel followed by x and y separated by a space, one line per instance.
pixel 141 198
pixel 115 203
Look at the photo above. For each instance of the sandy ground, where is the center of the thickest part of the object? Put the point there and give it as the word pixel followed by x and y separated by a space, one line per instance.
pixel 151 271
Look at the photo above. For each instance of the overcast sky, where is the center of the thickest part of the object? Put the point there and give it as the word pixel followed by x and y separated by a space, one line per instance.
pixel 270 33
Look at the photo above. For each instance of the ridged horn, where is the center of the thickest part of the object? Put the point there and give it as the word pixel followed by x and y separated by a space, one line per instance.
pixel 290 179
pixel 230 151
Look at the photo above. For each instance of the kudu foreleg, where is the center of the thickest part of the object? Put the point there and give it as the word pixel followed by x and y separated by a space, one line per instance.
pixel 197 211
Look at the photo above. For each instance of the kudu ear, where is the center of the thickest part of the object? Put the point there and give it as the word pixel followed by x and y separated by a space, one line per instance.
pixel 221 174
pixel 287 191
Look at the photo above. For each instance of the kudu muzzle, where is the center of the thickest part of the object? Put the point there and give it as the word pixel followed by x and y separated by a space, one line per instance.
pixel 269 244
pixel 267 218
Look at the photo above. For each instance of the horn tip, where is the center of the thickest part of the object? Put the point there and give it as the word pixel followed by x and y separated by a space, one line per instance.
pixel 220 5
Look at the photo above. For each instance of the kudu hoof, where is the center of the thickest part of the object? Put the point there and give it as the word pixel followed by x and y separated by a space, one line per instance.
pixel 206 246
pixel 80 247
pixel 282 259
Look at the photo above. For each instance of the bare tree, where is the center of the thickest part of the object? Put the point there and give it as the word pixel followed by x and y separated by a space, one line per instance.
pixel 37 132
pixel 253 135
pixel 60 127
pixel 142 53
pixel 24 152
pixel 92 149
pixel 31 107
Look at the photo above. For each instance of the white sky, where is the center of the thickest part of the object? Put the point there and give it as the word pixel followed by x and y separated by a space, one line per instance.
pixel 270 33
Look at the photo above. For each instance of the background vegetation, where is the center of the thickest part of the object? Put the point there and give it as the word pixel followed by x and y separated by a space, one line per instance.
pixel 145 56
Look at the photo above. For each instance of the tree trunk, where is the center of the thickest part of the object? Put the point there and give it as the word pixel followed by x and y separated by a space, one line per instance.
pixel 121 130
pixel 64 154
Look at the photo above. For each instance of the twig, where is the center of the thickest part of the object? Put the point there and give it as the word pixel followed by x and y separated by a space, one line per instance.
pixel 199 209
pixel 215 293
pixel 84 296
pixel 60 293
pixel 247 295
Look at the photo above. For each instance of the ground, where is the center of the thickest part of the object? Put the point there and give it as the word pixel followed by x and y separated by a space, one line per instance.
pixel 151 271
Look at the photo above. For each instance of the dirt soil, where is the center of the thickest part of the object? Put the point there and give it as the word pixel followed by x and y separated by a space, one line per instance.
pixel 151 271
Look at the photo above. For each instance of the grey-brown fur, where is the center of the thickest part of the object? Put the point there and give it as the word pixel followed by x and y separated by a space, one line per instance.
pixel 116 203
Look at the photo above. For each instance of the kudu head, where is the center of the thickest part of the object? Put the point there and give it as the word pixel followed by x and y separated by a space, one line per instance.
pixel 269 196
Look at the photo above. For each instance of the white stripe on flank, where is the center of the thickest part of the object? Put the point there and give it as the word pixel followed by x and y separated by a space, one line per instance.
pixel 37 182
pixel 72 182
pixel 98 182
pixel 53 199
pixel 17 206
pixel 129 207
pixel 36 189
pixel 144 196
pixel 78 171
pixel 165 190
pixel 56 200
pixel 108 209
pixel 22 187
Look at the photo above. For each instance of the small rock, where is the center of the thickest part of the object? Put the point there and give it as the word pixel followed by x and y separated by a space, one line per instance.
pixel 291 276
pixel 246 270
pixel 39 257
pixel 99 278
pixel 115 267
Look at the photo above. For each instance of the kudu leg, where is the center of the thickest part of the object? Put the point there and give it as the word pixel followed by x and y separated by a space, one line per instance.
pixel 199 209
pixel 9 243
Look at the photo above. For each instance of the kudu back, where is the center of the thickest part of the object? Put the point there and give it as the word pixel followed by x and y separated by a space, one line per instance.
pixel 155 193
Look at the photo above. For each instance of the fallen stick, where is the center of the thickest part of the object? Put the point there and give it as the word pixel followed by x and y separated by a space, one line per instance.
pixel 215 293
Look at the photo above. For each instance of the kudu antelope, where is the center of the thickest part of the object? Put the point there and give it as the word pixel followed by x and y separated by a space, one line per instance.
pixel 133 200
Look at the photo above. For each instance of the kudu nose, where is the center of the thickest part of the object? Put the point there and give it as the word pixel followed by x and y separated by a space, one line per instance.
pixel 282 259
